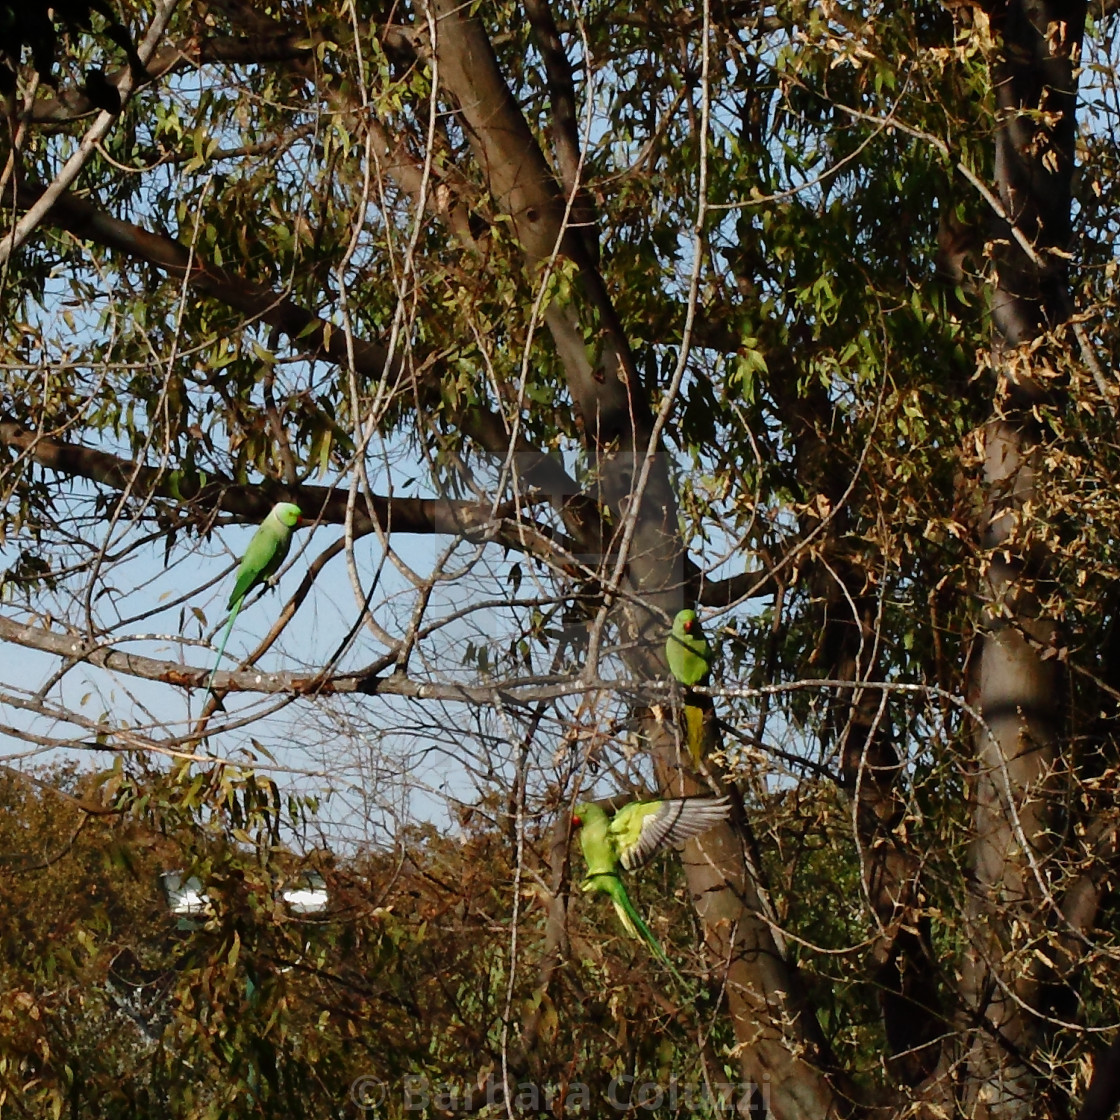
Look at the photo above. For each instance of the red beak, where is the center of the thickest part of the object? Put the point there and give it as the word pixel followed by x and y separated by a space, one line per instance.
pixel 576 822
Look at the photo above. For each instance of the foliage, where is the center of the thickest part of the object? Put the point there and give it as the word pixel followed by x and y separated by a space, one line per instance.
pixel 553 324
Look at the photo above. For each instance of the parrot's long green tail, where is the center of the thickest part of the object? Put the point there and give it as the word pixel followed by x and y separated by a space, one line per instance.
pixel 222 645
pixel 632 922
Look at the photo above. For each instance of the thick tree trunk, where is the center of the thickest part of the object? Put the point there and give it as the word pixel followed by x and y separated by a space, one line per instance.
pixel 1016 684
pixel 780 1048
pixel 783 1056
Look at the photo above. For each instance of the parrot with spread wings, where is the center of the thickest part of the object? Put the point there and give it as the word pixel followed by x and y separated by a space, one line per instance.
pixel 629 838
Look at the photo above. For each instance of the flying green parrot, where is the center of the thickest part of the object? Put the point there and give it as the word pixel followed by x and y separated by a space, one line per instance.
pixel 632 836
pixel 260 563
pixel 690 662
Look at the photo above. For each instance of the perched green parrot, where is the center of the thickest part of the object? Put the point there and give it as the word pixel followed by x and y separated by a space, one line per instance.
pixel 260 563
pixel 632 836
pixel 690 662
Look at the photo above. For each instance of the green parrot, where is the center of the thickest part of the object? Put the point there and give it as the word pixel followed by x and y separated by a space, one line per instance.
pixel 632 836
pixel 690 662
pixel 260 563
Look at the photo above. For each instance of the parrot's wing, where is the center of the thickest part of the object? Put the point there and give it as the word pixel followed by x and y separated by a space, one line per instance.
pixel 642 828
pixel 246 577
pixel 689 658
pixel 263 556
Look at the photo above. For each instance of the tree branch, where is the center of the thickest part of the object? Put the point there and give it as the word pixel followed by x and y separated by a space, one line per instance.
pixel 608 395
pixel 565 129
pixel 252 501
pixel 94 135
pixel 264 44
pixel 259 302
pixel 75 647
